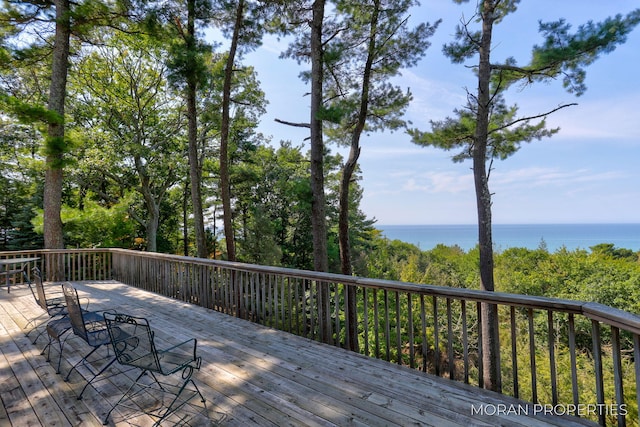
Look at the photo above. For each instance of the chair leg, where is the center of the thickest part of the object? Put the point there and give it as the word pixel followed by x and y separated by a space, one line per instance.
pixel 56 330
pixel 106 418
pixel 104 368
pixel 78 364
pixel 36 322
pixel 170 409
pixel 38 336
pixel 60 356
pixel 60 348
pixel 198 390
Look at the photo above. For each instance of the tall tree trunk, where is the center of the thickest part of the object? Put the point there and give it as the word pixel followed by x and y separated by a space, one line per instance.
pixel 347 174
pixel 318 202
pixel 151 226
pixel 195 171
pixel 490 333
pixel 185 219
pixel 53 236
pixel 225 181
pixel 351 307
pixel 318 216
pixel 152 205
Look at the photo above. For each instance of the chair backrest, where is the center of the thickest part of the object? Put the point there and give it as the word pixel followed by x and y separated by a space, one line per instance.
pixel 41 297
pixel 75 311
pixel 132 341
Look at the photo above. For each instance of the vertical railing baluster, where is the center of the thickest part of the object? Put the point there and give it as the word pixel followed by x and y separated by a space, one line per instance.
pixel 297 283
pixel 254 296
pixel 514 353
pixel 436 336
pixel 270 302
pixel 284 304
pixel 387 326
pixel 376 319
pixel 336 314
pixel 398 329
pixel 255 282
pixel 347 322
pixel 313 308
pixel 287 303
pixel 617 374
pixel 450 340
pixel 306 284
pixel 465 341
pixel 246 294
pixel 365 319
pixel 412 350
pixel 552 358
pixel 636 364
pixel 275 282
pixel 532 357
pixel 423 329
pixel 480 355
pixel 597 362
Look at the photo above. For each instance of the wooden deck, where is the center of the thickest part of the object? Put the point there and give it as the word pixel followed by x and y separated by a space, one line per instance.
pixel 251 375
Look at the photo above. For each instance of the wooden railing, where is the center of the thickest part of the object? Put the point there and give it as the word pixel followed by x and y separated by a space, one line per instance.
pixel 564 356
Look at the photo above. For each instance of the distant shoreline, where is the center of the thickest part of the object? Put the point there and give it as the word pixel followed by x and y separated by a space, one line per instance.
pixel 530 236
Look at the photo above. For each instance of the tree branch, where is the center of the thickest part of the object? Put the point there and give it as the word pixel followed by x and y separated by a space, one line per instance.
pixel 298 125
pixel 524 119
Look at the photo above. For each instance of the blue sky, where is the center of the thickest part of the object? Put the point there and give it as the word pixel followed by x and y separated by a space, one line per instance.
pixel 587 173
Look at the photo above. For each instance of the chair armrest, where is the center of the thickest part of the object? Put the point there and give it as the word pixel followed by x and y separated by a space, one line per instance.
pixel 86 301
pixel 94 320
pixel 184 344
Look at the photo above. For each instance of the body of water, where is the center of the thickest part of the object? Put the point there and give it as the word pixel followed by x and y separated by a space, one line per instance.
pixel 531 236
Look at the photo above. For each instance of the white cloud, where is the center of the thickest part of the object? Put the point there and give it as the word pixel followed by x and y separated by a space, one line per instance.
pixel 439 182
pixel 432 99
pixel 549 177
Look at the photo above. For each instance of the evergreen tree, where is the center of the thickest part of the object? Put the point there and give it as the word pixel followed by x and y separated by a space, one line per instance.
pixel 487 129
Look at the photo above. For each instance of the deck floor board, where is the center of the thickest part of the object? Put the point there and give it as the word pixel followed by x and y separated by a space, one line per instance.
pixel 251 375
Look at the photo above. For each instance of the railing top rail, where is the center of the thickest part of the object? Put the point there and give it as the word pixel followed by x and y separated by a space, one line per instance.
pixel 608 315
pixel 55 251
pixel 442 291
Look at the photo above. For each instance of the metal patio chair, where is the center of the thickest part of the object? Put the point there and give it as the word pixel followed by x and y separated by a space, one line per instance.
pixel 55 330
pixel 59 326
pixel 134 345
pixel 90 327
pixel 53 305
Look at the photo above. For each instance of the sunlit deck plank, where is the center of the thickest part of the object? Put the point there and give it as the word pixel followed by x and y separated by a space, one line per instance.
pixel 251 375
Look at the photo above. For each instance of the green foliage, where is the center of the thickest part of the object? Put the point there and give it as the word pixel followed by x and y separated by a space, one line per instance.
pixel 360 63
pixel 27 112
pixel 609 250
pixel 505 134
pixel 606 275
pixel 96 225
pixel 566 54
